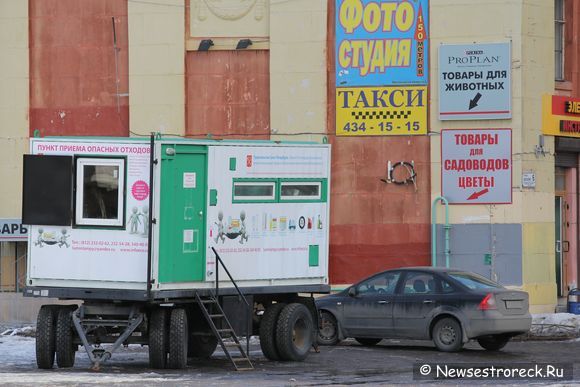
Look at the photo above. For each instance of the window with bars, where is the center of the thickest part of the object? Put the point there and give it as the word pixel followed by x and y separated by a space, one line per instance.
pixel 559 38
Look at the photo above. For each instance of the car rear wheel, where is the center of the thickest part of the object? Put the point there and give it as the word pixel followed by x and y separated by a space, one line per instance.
pixel 447 335
pixel 367 342
pixel 493 343
pixel 328 331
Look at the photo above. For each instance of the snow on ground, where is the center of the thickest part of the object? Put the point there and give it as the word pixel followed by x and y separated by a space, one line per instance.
pixel 555 325
pixel 129 366
pixel 24 331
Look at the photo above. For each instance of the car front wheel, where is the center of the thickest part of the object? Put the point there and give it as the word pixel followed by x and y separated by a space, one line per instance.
pixel 493 343
pixel 447 335
pixel 328 331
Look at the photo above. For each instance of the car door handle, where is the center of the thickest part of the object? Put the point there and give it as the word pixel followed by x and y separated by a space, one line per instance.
pixel 383 302
pixel 428 302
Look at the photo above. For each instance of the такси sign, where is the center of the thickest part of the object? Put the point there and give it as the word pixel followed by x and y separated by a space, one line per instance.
pixel 475 81
pixel 381 42
pixel 476 166
pixel 381 111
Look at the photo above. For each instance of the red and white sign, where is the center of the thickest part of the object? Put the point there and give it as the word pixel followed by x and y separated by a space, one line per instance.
pixel 476 166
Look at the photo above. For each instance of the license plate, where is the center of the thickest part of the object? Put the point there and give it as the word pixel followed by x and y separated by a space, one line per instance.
pixel 513 304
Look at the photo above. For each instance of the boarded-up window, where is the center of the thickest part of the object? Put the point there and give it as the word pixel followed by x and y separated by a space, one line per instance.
pixel 228 94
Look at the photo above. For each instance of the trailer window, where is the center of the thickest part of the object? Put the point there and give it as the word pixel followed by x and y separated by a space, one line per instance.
pixel 254 191
pixel 100 192
pixel 300 190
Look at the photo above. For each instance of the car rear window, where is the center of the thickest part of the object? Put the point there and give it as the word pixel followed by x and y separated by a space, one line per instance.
pixel 474 281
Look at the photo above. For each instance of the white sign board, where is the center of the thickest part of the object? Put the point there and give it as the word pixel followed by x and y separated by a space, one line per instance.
pixel 529 179
pixel 108 255
pixel 476 166
pixel 475 81
pixel 270 239
pixel 12 230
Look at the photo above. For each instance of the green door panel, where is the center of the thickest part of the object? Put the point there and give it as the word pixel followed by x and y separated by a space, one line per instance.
pixel 182 214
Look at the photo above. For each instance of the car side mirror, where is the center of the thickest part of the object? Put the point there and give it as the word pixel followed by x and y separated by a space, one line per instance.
pixel 352 292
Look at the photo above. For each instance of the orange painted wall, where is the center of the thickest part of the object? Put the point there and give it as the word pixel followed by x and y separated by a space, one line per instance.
pixel 374 226
pixel 72 67
pixel 228 94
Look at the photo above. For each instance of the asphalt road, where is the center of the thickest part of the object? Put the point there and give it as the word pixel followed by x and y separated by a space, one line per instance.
pixel 349 363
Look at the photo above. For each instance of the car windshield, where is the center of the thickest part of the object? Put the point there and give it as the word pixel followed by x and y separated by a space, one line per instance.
pixel 474 281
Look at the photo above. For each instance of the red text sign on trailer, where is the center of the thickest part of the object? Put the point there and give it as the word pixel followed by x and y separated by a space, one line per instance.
pixel 476 166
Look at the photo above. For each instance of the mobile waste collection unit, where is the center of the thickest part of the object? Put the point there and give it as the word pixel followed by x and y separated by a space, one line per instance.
pixel 177 244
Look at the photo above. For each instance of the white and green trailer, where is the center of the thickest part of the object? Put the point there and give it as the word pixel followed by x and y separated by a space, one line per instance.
pixel 178 244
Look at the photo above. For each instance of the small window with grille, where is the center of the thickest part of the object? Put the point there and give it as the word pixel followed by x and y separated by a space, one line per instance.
pixel 559 36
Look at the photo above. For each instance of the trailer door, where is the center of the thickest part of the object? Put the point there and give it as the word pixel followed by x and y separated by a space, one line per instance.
pixel 182 213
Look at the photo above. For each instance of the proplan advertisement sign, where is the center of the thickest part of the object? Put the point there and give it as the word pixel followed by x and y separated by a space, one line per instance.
pixel 476 166
pixel 475 81
pixel 380 111
pixel 381 42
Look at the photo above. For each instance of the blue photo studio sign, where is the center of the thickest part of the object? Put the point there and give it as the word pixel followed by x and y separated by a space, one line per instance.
pixel 381 43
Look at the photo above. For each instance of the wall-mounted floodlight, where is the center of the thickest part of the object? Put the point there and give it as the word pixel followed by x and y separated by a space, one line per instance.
pixel 205 44
pixel 243 43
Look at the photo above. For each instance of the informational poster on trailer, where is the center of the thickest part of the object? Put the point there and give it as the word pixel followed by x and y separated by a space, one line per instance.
pixel 381 42
pixel 280 229
pixel 476 166
pixel 110 217
pixel 381 111
pixel 474 81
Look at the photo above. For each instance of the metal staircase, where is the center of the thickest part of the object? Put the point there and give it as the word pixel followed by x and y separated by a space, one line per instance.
pixel 216 317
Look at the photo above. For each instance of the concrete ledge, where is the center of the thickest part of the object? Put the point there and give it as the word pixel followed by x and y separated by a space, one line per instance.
pixel 18 310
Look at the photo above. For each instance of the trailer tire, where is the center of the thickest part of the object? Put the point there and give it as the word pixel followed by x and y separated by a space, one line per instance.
pixel 294 332
pixel 178 333
pixel 201 346
pixel 158 338
pixel 45 336
pixel 65 349
pixel 268 331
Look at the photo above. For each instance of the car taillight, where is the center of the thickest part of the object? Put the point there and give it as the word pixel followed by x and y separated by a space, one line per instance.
pixel 488 302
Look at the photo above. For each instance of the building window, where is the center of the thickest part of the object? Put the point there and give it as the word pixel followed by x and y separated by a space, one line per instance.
pixel 559 36
pixel 100 192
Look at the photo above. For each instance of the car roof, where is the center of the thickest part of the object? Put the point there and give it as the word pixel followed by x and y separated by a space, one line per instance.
pixel 438 269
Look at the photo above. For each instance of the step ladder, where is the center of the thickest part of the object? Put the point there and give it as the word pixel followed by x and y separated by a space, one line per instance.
pixel 214 314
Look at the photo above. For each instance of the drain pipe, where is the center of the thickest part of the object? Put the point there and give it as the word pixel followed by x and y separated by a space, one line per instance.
pixel 434 231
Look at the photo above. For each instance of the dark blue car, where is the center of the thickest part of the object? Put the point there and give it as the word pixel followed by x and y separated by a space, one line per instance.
pixel 447 306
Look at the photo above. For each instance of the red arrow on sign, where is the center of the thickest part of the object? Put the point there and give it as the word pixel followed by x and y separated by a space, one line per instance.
pixel 476 195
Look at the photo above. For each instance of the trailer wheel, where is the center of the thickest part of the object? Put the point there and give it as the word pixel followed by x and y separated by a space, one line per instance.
pixel 45 336
pixel 178 333
pixel 65 349
pixel 268 331
pixel 294 332
pixel 158 338
pixel 201 346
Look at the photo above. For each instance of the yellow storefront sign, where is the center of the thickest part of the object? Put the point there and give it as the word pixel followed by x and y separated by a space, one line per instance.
pixel 381 111
pixel 561 116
